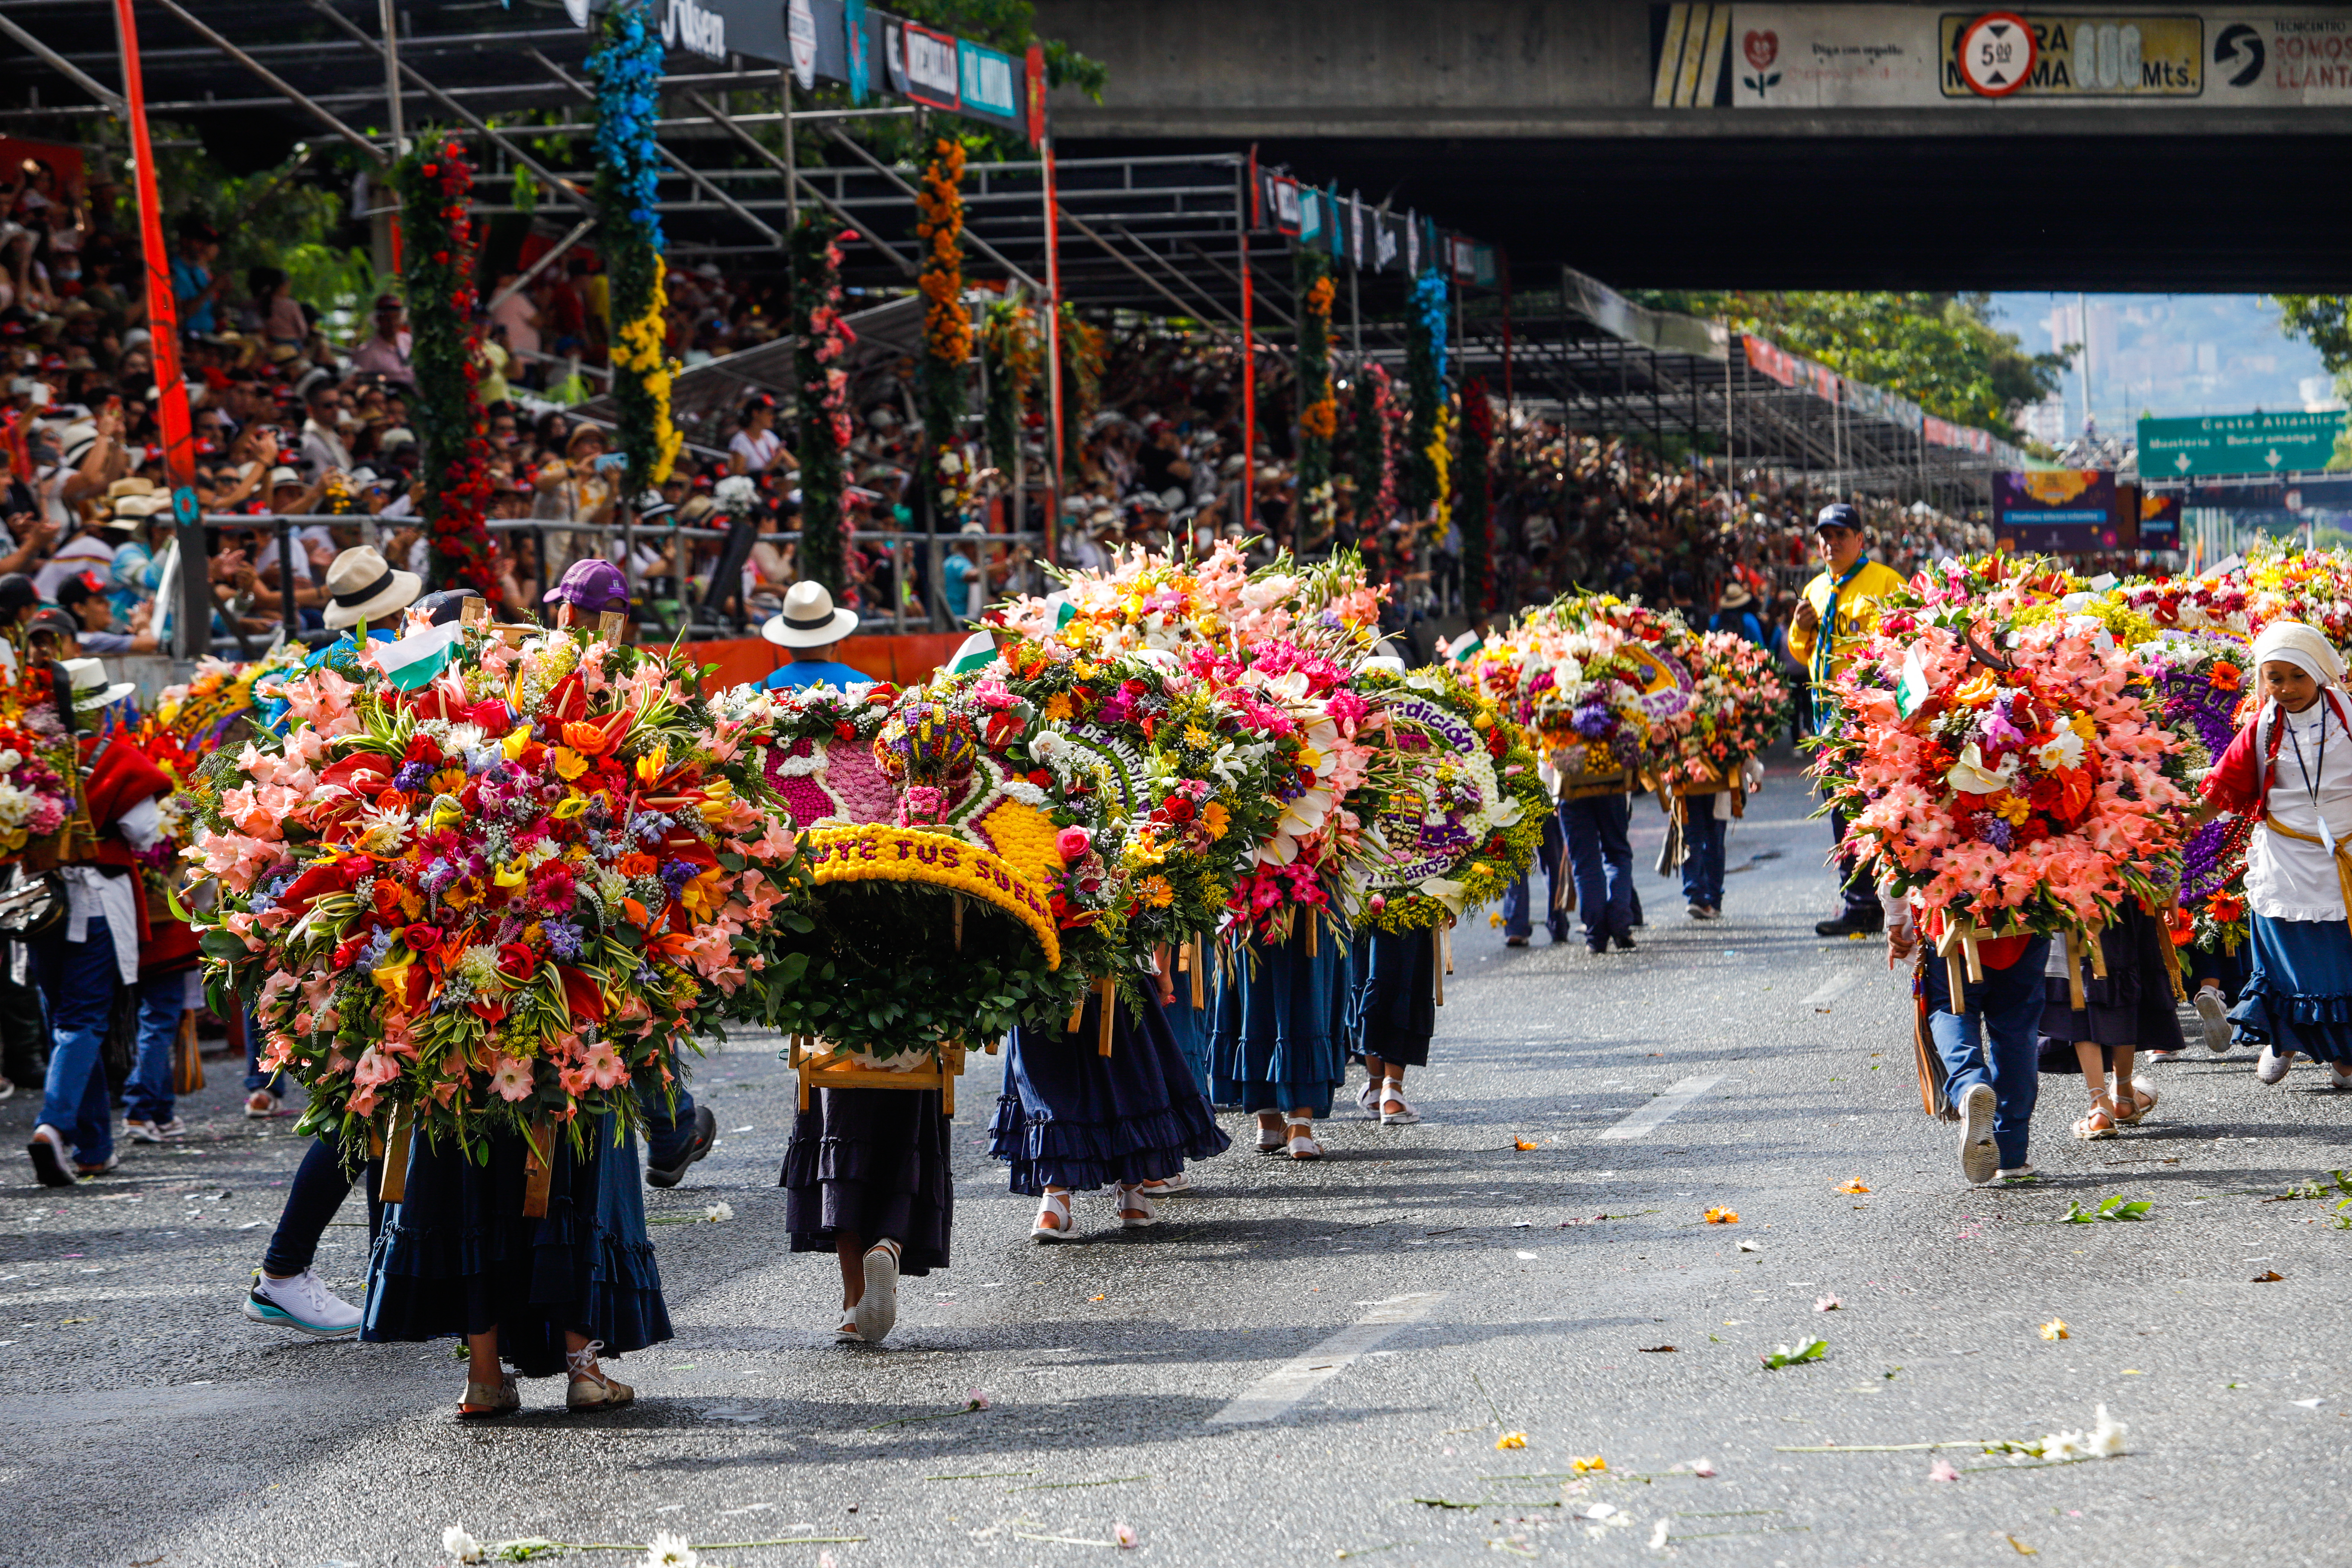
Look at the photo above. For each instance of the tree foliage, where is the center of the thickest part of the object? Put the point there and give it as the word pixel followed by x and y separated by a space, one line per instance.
pixel 1939 349
pixel 2323 321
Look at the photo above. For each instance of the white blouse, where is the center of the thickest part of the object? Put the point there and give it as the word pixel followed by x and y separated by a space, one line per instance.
pixel 2288 879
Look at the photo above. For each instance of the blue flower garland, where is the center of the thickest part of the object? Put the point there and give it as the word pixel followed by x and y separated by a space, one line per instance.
pixel 627 68
pixel 1425 368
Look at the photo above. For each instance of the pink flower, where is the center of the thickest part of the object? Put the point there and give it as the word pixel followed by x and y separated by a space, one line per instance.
pixel 603 1066
pixel 510 1079
pixel 1943 1470
pixel 1072 844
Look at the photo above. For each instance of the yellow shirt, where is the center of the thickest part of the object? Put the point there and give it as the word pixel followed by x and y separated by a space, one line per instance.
pixel 1857 612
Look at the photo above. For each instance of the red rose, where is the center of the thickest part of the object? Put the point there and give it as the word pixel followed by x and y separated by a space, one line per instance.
pixel 517 963
pixel 1178 808
pixel 422 938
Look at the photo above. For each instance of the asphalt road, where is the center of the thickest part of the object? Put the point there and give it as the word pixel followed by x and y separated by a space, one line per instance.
pixel 1310 1363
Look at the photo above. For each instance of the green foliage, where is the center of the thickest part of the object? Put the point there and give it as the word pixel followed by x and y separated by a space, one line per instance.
pixel 816 314
pixel 1939 349
pixel 1795 1355
pixel 2113 1208
pixel 2323 321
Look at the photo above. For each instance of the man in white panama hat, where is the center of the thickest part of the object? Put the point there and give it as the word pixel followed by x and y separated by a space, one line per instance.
pixel 810 626
pixel 363 586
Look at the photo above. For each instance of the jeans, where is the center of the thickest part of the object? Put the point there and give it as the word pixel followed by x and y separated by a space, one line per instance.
pixel 1703 853
pixel 162 1000
pixel 321 1185
pixel 1518 918
pixel 670 1124
pixel 1599 847
pixel 2004 1014
pixel 76 981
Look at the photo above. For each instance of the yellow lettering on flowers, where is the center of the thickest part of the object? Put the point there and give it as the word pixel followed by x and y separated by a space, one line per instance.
pixel 875 851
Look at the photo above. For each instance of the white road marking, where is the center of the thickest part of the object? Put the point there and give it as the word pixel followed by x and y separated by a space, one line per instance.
pixel 1835 989
pixel 1275 1392
pixel 1647 1120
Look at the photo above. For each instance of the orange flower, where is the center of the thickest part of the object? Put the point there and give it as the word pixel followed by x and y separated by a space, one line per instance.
pixel 2226 676
pixel 639 865
pixel 588 739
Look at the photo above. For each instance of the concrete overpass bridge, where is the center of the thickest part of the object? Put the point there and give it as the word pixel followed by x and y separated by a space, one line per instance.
pixel 1776 146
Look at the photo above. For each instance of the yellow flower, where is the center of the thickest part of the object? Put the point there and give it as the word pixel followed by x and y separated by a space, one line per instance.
pixel 568 763
pixel 653 767
pixel 1197 739
pixel 448 781
pixel 1156 892
pixel 1512 1440
pixel 1215 818
pixel 1586 1467
pixel 1059 707
pixel 513 745
pixel 2083 727
pixel 510 875
pixel 569 806
pixel 2055 1329
pixel 2011 807
pixel 1722 1216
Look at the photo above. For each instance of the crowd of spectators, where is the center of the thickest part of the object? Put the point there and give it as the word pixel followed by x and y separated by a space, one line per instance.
pixel 302 413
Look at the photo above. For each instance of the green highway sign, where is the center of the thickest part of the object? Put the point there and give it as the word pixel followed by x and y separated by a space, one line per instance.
pixel 2254 443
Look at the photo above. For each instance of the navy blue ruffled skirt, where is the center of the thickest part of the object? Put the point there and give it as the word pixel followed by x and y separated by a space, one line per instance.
pixel 1394 1010
pixel 455 1256
pixel 1071 1117
pixel 874 1162
pixel 1278 1035
pixel 1189 1026
pixel 2299 997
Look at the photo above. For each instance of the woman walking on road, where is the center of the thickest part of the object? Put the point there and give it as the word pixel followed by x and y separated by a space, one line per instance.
pixel 2291 771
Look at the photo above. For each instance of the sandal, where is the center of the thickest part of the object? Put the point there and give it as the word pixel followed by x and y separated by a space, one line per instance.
pixel 1301 1142
pixel 1269 1139
pixel 2099 1123
pixel 1167 1187
pixel 877 1308
pixel 847 1334
pixel 485 1403
pixel 590 1389
pixel 1393 1093
pixel 2141 1097
pixel 1134 1210
pixel 1054 1206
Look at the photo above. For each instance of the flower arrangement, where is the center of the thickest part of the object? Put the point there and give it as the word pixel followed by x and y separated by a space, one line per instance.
pixel 37 790
pixel 2029 789
pixel 815 745
pixel 1083 347
pixel 435 184
pixel 947 332
pixel 1424 360
pixel 1319 410
pixel 1601 682
pixel 1469 818
pixel 1371 414
pixel 1739 705
pixel 626 68
pixel 1013 357
pixel 2207 684
pixel 825 428
pixel 1149 601
pixel 1473 503
pixel 500 900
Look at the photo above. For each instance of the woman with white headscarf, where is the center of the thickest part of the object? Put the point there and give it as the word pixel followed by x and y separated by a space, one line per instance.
pixel 2291 771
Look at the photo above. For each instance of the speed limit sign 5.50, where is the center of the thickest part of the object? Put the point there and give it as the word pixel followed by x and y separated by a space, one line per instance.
pixel 1996 54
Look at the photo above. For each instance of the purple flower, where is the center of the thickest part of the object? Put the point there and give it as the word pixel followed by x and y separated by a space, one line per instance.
pixel 412 777
pixel 1593 720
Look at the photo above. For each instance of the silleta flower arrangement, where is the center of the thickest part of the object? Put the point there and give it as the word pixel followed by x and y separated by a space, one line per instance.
pixel 2023 777
pixel 1469 817
pixel 2207 689
pixel 37 791
pixel 815 745
pixel 1738 706
pixel 1596 681
pixel 500 899
pixel 1160 602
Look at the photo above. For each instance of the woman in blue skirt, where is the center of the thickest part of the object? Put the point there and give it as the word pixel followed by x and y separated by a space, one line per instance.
pixel 1277 1044
pixel 1071 1119
pixel 2291 771
pixel 1393 1016
pixel 457 1257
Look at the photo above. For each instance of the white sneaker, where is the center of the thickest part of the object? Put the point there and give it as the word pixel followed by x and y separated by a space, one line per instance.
pixel 302 1303
pixel 2016 1176
pixel 876 1312
pixel 2272 1067
pixel 1979 1159
pixel 2215 1016
pixel 2340 1073
pixel 154 1132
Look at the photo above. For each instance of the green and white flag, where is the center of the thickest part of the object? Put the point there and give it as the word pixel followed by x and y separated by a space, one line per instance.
pixel 1464 648
pixel 420 656
pixel 1913 688
pixel 977 651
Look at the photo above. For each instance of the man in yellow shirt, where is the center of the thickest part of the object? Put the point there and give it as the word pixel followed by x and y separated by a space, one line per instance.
pixel 1838 609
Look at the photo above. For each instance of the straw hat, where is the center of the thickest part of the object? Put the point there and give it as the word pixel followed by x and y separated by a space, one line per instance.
pixel 360 586
pixel 91 690
pixel 808 619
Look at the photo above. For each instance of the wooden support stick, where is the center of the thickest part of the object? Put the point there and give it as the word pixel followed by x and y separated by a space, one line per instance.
pixel 1956 976
pixel 394 1181
pixel 1437 956
pixel 539 1171
pixel 1200 963
pixel 1445 944
pixel 1077 1015
pixel 2098 955
pixel 2074 998
pixel 474 611
pixel 1102 1033
pixel 959 922
pixel 1976 960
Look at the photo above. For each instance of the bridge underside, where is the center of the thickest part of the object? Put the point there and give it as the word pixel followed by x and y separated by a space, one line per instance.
pixel 2156 212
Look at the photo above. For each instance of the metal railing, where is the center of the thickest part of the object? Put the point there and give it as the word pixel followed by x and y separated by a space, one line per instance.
pixel 692 602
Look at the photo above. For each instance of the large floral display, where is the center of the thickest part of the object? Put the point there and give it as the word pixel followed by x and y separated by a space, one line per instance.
pixel 1602 683
pixel 2017 776
pixel 1739 705
pixel 1468 817
pixel 499 901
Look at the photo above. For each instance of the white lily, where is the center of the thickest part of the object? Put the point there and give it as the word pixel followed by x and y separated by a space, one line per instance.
pixel 1970 776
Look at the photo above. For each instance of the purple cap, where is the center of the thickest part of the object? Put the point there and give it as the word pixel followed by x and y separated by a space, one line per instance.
pixel 592 586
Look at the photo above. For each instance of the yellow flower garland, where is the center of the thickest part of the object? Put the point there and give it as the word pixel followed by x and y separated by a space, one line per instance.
pixel 1441 510
pixel 878 852
pixel 637 348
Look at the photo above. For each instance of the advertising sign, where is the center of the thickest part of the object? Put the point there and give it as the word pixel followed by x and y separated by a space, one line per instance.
pixel 2256 443
pixel 2159 522
pixel 1810 56
pixel 2060 511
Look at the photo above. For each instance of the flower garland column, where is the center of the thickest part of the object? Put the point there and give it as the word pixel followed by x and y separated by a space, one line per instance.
pixel 1473 504
pixel 946 335
pixel 1319 410
pixel 1010 347
pixel 627 68
pixel 820 339
pixel 1373 462
pixel 1425 364
pixel 435 182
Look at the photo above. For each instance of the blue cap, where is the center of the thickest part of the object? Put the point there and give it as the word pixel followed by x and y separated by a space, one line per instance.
pixel 1838 514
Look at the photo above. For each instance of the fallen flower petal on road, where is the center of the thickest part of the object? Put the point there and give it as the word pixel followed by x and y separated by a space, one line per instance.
pixel 2055 1329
